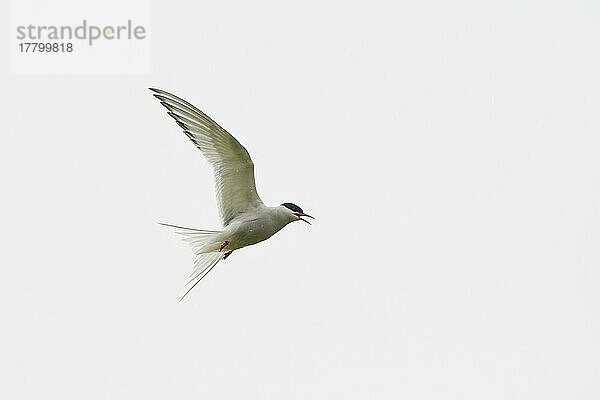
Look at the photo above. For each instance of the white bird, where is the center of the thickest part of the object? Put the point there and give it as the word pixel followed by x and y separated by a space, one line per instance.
pixel 246 219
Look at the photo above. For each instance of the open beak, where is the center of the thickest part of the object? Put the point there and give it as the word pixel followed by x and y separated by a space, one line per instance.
pixel 300 215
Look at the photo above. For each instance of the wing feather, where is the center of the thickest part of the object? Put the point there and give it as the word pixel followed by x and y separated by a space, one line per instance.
pixel 233 168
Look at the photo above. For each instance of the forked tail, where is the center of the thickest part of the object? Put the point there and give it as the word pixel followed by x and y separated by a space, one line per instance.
pixel 205 246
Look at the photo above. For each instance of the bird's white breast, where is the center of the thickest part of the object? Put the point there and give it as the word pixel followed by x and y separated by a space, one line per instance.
pixel 254 226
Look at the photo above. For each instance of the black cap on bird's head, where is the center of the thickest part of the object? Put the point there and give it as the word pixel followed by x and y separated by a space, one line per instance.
pixel 297 212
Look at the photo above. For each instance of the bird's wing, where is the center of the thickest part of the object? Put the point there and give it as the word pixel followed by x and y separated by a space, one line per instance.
pixel 232 165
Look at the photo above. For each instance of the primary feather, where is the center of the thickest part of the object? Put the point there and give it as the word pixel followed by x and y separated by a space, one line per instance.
pixel 233 168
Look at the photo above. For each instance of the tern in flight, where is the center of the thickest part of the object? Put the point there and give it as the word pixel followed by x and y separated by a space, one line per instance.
pixel 246 219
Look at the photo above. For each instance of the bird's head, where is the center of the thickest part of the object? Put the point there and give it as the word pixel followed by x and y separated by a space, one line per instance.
pixel 295 213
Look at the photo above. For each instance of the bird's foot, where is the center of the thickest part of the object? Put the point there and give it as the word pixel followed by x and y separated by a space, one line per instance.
pixel 223 245
pixel 227 254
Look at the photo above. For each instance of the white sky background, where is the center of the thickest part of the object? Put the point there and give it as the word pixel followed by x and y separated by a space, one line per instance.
pixel 449 151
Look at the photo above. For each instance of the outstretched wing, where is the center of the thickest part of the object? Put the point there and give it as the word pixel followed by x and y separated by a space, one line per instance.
pixel 232 165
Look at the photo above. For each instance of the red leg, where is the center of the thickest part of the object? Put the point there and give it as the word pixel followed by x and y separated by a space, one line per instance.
pixel 227 254
pixel 223 245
